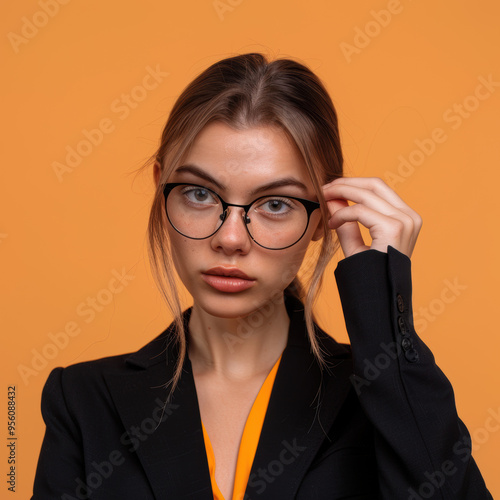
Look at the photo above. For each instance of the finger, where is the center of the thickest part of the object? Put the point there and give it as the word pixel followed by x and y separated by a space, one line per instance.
pixel 349 234
pixel 384 230
pixel 361 195
pixel 350 238
pixel 365 197
pixel 372 191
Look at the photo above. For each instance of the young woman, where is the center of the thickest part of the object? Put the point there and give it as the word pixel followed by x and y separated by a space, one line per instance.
pixel 243 396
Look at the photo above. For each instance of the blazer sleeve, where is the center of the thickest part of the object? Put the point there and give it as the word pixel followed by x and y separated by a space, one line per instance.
pixel 423 449
pixel 60 462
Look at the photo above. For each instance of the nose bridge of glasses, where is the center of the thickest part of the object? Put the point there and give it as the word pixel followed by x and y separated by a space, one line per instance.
pixel 242 212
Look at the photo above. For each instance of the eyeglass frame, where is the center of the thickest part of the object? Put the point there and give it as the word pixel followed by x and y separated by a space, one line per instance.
pixel 309 205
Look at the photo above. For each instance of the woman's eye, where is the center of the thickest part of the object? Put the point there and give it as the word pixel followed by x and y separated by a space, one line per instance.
pixel 279 206
pixel 276 205
pixel 198 195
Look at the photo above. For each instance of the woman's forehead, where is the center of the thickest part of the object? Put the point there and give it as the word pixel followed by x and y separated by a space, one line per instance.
pixel 259 154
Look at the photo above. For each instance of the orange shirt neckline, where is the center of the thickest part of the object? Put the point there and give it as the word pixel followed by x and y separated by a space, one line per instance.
pixel 249 440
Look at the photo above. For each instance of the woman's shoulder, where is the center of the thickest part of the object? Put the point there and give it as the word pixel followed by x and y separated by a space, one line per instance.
pixel 84 372
pixel 87 389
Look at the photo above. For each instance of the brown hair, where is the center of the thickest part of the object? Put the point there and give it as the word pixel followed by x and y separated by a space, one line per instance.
pixel 246 91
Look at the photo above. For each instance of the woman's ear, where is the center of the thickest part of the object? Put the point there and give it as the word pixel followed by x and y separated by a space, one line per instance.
pixel 156 172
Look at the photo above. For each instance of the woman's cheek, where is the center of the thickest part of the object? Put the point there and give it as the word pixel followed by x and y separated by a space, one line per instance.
pixel 180 258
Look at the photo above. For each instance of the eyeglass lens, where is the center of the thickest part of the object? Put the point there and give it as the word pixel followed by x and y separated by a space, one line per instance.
pixel 275 221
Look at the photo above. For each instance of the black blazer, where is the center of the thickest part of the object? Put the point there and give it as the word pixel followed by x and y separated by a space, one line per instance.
pixel 380 423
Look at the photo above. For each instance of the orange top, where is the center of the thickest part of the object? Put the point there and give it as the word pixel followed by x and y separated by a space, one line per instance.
pixel 249 440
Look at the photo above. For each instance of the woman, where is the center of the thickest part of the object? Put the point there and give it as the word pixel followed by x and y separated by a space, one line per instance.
pixel 243 395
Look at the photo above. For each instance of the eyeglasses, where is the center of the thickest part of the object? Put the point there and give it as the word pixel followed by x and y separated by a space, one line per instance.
pixel 274 222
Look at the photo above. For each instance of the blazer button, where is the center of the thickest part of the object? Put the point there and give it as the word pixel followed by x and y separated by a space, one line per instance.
pixel 406 343
pixel 402 326
pixel 411 355
pixel 401 304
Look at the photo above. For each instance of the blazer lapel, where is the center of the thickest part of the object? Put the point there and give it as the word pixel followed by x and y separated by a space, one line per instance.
pixel 172 450
pixel 295 425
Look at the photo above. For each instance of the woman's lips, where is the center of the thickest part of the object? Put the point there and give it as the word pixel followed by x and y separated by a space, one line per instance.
pixel 228 271
pixel 227 283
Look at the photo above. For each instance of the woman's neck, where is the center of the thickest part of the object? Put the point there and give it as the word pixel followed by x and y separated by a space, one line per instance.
pixel 236 349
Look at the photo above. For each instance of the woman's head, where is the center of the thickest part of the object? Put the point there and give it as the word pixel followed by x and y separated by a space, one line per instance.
pixel 269 105
pixel 259 168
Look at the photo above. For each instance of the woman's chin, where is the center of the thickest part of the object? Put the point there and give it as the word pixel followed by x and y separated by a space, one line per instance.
pixel 237 306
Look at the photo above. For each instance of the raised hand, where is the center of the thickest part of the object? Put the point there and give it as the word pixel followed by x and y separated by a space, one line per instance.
pixel 376 206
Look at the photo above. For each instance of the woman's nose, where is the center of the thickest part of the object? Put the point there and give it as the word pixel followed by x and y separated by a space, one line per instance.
pixel 232 236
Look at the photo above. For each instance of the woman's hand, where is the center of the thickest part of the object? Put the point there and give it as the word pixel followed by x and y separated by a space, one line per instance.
pixel 389 219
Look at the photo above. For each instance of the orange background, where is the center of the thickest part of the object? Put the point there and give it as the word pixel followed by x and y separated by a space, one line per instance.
pixel 61 240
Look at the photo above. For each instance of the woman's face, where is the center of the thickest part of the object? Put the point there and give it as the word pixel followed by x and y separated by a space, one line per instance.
pixel 239 162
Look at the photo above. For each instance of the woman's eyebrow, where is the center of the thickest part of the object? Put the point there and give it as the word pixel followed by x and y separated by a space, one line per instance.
pixel 284 181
